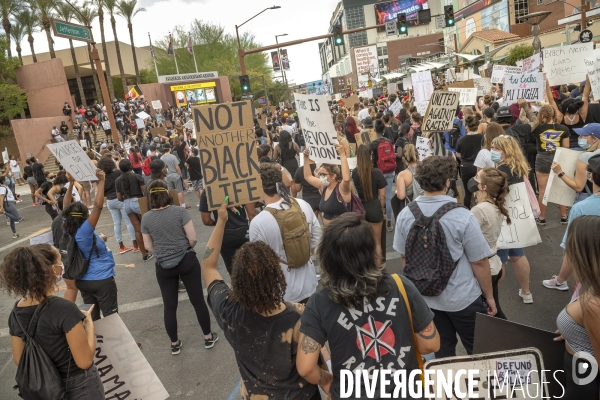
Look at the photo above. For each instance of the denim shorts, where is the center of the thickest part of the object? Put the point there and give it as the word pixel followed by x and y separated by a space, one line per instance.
pixel 85 385
pixel 504 254
pixel 132 206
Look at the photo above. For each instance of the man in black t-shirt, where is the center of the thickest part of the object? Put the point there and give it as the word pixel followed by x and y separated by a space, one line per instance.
pixel 38 171
pixel 195 172
pixel 42 194
pixel 64 130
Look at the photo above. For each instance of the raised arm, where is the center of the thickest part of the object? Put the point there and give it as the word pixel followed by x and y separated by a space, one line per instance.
pixel 213 248
pixel 308 176
pixel 99 200
pixel 550 99
pixel 583 111
pixel 345 186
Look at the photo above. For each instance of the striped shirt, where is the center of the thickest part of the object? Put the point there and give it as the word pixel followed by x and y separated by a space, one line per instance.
pixel 165 226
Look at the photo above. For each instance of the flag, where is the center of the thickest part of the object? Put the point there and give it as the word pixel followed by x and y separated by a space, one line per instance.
pixel 135 92
pixel 152 52
pixel 170 50
pixel 190 46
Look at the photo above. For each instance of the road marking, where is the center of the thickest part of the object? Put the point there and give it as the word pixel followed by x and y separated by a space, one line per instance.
pixel 26 238
pixel 391 255
pixel 235 391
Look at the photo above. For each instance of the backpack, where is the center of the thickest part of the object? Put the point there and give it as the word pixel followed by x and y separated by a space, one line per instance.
pixel 73 260
pixel 355 204
pixel 37 377
pixel 294 232
pixel 429 263
pixel 146 166
pixel 454 134
pixel 386 157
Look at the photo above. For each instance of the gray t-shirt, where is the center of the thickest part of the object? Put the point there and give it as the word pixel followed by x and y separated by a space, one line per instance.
pixel 171 162
pixel 465 242
pixel 165 226
pixel 586 155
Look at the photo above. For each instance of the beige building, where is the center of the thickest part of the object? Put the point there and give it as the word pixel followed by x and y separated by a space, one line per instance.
pixel 143 55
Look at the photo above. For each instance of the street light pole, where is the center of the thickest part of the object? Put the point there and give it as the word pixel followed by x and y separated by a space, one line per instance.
pixel 241 53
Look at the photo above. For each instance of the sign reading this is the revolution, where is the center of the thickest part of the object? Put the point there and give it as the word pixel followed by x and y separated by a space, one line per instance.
pixel 75 161
pixel 227 150
pixel 319 133
pixel 441 111
pixel 528 86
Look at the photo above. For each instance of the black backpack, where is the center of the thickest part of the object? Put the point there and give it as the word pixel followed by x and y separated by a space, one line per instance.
pixel 429 263
pixel 73 260
pixel 37 377
pixel 454 134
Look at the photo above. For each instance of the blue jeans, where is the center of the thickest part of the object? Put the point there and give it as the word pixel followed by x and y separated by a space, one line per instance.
pixel 117 211
pixel 132 206
pixel 85 385
pixel 389 178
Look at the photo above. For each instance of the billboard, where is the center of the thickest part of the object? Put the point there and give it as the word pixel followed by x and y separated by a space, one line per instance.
pixel 470 7
pixel 194 94
pixel 387 11
pixel 494 16
pixel 285 62
pixel 275 59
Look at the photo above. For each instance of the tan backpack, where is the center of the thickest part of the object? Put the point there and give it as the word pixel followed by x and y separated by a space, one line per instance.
pixel 294 232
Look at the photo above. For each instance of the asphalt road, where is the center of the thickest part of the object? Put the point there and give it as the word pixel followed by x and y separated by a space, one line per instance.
pixel 212 374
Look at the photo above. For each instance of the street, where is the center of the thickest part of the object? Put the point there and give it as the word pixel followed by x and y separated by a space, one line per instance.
pixel 212 374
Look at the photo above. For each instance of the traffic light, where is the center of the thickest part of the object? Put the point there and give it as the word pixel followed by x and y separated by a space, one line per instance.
pixel 449 15
pixel 338 37
pixel 402 26
pixel 245 84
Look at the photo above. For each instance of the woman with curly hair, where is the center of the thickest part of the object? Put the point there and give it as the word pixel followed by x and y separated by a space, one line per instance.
pixel 64 332
pixel 259 325
pixel 359 297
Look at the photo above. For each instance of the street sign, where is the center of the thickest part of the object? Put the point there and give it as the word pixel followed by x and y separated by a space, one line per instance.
pixel 391 28
pixel 71 31
pixel 247 96
pixel 440 22
pixel 586 36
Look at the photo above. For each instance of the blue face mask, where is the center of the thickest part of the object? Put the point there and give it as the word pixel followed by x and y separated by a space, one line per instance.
pixel 496 156
pixel 582 142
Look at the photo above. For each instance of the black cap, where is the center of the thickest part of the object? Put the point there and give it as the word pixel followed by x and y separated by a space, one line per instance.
pixel 594 164
pixel 367 122
pixel 156 168
pixel 504 112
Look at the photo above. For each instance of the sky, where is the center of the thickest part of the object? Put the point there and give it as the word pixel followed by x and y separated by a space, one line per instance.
pixel 299 20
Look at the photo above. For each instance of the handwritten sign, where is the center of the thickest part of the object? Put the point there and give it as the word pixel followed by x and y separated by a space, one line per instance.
pixel 468 96
pixel 124 370
pixel 499 71
pixel 523 231
pixel 140 123
pixel 227 150
pixel 531 64
pixel 557 191
pixel 529 86
pixel 142 115
pixel 75 161
pixel 592 65
pixel 366 136
pixel 319 133
pixel 441 112
pixel 106 125
pixel 423 148
pixel 44 238
pixel 422 85
pixel 407 83
pixel 513 372
pixel 395 107
pixel 156 104
pixel 565 64
pixel 422 107
pixel 483 86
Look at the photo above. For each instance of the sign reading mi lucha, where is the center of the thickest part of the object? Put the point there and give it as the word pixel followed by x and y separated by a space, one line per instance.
pixel 71 31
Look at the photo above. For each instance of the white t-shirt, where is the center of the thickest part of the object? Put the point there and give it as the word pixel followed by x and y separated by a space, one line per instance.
pixel 7 192
pixel 362 114
pixel 288 128
pixel 14 166
pixel 301 282
pixel 75 192
pixel 484 159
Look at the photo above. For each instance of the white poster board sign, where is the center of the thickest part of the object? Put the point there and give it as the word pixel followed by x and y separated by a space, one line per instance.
pixel 44 238
pixel 468 96
pixel 106 125
pixel 422 107
pixel 522 231
pixel 531 64
pixel 423 148
pixel 592 65
pixel 140 123
pixel 441 112
pixel 392 88
pixel 483 85
pixel 75 161
pixel 557 191
pixel 498 72
pixel 565 64
pixel 529 86
pixel 396 107
pixel 319 133
pixel 121 363
pixel 156 104
pixel 422 86
pixel 406 83
pixel 143 115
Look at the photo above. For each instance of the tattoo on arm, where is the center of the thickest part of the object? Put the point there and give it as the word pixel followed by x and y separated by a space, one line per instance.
pixel 309 345
pixel 208 252
pixel 425 332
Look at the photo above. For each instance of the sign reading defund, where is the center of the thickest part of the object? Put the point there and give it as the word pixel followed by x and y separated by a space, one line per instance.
pixel 319 133
pixel 441 111
pixel 227 150
pixel 524 86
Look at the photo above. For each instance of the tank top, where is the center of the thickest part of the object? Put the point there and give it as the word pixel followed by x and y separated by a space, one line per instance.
pixel 573 136
pixel 575 335
pixel 414 188
pixel 331 207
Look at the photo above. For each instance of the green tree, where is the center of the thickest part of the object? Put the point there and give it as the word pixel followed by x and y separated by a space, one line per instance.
pixel 9 8
pixel 17 33
pixel 12 98
pixel 519 52
pixel 127 10
pixel 45 9
pixel 29 18
pixel 148 76
pixel 86 16
pixel 111 6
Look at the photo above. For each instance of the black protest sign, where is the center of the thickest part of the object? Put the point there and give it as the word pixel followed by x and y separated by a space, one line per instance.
pixel 441 111
pixel 227 151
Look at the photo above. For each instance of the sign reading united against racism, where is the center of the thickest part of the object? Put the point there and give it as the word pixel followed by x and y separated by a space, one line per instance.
pixel 74 160
pixel 319 133
pixel 528 86
pixel 227 151
pixel 441 111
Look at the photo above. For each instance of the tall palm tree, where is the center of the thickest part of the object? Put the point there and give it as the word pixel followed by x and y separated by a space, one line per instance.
pixel 85 16
pixel 45 9
pixel 126 9
pixel 29 18
pixel 111 90
pixel 7 9
pixel 111 6
pixel 66 13
pixel 17 32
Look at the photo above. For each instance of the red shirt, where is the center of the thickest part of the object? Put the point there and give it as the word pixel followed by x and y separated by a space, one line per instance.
pixel 133 163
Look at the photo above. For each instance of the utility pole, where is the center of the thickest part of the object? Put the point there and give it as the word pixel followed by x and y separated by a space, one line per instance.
pixel 266 94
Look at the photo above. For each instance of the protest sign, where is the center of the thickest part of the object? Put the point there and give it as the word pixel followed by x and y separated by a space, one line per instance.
pixel 391 88
pixel 159 131
pixel 366 136
pixel 225 134
pixel 395 107
pixel 557 191
pixel 406 83
pixel 44 238
pixel 422 86
pixel 565 64
pixel 75 161
pixel 462 84
pixel 483 86
pixel 531 64
pixel 377 92
pixel 142 115
pixel 530 86
pixel 156 104
pixel 106 125
pixel 450 75
pixel 423 148
pixel 140 123
pixel 351 101
pixel 499 71
pixel 522 231
pixel 468 96
pixel 422 107
pixel 592 65
pixel 124 370
pixel 319 133
pixel 441 112
pixel 351 162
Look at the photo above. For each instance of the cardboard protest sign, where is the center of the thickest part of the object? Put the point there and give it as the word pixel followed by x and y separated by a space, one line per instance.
pixel 565 64
pixel 124 370
pixel 422 107
pixel 140 123
pixel 499 71
pixel 423 148
pixel 106 125
pixel 557 191
pixel 463 84
pixel 366 136
pixel 142 115
pixel 529 86
pixel 407 83
pixel 422 86
pixel 523 231
pixel 502 375
pixel 225 134
pixel 395 107
pixel 156 104
pixel 468 96
pixel 441 112
pixel 158 131
pixel 483 86
pixel 351 101
pixel 319 133
pixel 531 64
pixel 75 161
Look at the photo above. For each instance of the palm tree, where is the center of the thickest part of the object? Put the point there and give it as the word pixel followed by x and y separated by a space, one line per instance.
pixel 17 32
pixel 126 9
pixel 45 9
pixel 85 16
pixel 66 13
pixel 111 90
pixel 29 18
pixel 111 6
pixel 8 8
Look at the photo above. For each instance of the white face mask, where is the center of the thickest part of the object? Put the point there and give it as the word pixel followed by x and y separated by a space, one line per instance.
pixel 62 272
pixel 324 181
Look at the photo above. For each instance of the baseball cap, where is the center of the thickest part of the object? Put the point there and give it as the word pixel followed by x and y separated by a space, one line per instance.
pixel 503 112
pixel 367 122
pixel 104 145
pixel 156 168
pixel 589 129
pixel 156 139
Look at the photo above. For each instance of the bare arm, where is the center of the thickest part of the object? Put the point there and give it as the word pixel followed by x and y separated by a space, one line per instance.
pixel 250 210
pixel 400 186
pixel 382 198
pixel 206 219
pixel 345 186
pixel 148 242
pixel 307 363
pixel 98 201
pixel 482 272
pixel 190 233
pixel 583 111
pixel 308 176
pixel 82 341
pixel 428 340
pixel 213 248
pixel 296 188
pixel 550 99
pixel 578 182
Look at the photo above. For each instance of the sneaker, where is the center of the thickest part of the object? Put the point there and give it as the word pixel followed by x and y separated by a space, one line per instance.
pixel 553 284
pixel 19 201
pixel 148 257
pixel 20 219
pixel 136 250
pixel 541 222
pixel 564 221
pixel 210 343
pixel 16 235
pixel 125 250
pixel 181 287
pixel 527 297
pixel 36 204
pixel 176 348
pixel 390 227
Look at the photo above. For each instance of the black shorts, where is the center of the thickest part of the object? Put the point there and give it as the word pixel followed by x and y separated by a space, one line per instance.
pixel 374 213
pixel 543 161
